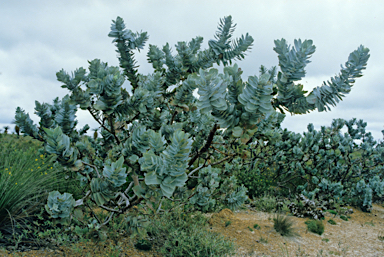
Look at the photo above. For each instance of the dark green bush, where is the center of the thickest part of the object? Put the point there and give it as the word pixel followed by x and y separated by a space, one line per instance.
pixel 143 244
pixel 332 222
pixel 256 182
pixel 315 226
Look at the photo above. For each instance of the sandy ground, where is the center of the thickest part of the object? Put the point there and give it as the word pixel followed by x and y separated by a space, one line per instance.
pixel 359 236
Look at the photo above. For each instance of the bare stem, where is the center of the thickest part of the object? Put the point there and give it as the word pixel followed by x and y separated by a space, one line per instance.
pixel 110 209
pixel 98 121
pixel 207 144
pixel 93 166
pixel 107 220
pixel 128 188
pixel 215 163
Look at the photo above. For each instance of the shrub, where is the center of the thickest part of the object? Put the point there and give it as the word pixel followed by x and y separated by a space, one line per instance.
pixel 267 203
pixel 157 135
pixel 332 222
pixel 315 226
pixel 326 164
pixel 304 207
pixel 179 234
pixel 256 182
pixel 284 225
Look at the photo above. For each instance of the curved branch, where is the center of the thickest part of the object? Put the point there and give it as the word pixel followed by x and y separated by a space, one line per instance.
pixel 93 166
pixel 215 163
pixel 98 121
pixel 112 125
pixel 207 144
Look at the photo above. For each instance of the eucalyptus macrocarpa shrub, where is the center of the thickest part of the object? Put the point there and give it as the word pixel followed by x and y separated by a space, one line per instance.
pixel 326 164
pixel 157 136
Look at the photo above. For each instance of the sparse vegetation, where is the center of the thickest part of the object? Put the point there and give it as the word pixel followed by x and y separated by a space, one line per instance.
pixel 381 236
pixel 370 223
pixel 179 234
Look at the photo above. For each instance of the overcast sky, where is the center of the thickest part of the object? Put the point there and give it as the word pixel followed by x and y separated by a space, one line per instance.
pixel 39 38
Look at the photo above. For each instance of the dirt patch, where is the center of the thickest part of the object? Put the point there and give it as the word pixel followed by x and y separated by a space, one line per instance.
pixel 359 236
pixel 222 218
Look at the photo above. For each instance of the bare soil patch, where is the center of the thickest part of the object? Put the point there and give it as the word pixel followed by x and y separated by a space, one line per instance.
pixel 359 236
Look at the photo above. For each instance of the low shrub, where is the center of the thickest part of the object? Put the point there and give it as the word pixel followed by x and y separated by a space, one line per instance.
pixel 332 222
pixel 267 203
pixel 179 234
pixel 304 207
pixel 344 217
pixel 315 226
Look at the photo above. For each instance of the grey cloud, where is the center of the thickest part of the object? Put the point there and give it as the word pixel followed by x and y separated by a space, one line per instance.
pixel 38 38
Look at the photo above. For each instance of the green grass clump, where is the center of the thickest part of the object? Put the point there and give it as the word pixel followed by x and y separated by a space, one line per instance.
pixel 344 217
pixel 284 225
pixel 315 226
pixel 332 222
pixel 370 223
pixel 179 234
pixel 256 226
pixel 26 177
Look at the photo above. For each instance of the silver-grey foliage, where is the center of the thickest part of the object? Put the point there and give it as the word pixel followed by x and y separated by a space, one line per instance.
pixel 158 139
